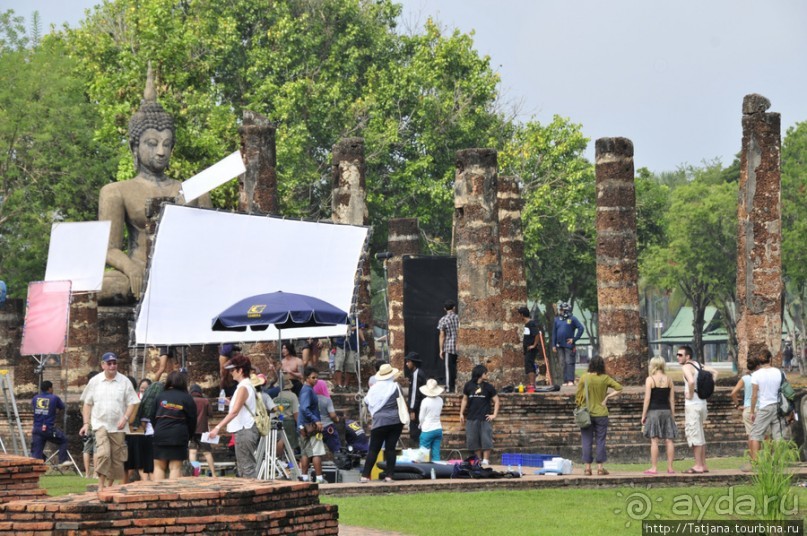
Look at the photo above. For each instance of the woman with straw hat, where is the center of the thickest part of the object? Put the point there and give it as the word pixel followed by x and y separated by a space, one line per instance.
pixel 382 402
pixel 431 429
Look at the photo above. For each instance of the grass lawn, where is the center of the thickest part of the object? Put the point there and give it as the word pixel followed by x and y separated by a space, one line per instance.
pixel 551 511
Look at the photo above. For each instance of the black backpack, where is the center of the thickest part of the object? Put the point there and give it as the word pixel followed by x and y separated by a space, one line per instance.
pixel 705 383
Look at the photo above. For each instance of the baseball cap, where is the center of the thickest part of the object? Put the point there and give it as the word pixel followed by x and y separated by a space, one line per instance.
pixel 109 356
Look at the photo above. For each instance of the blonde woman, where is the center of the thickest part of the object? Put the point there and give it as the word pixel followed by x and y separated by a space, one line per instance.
pixel 658 413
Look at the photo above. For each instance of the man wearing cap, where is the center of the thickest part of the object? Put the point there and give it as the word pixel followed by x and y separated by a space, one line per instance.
pixel 45 405
pixel 109 404
pixel 416 381
pixel 448 326
pixel 565 333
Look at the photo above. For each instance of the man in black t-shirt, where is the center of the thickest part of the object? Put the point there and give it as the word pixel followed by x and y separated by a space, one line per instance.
pixel 529 342
pixel 476 398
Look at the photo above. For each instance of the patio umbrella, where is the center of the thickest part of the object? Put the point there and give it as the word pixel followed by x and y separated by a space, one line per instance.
pixel 283 310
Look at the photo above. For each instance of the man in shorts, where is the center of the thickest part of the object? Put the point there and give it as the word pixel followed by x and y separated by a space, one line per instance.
pixel 347 354
pixel 109 404
pixel 694 408
pixel 765 383
pixel 476 398
pixel 310 425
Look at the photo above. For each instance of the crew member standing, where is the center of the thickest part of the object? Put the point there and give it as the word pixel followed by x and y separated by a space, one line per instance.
pixel 566 332
pixel 46 404
pixel 416 380
pixel 530 344
pixel 449 325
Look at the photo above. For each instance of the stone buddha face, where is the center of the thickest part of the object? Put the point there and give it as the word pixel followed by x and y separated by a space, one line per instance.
pixel 154 150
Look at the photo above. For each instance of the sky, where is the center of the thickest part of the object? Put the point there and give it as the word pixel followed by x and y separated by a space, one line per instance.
pixel 670 76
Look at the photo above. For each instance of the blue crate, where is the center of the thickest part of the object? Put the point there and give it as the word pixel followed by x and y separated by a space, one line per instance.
pixel 526 460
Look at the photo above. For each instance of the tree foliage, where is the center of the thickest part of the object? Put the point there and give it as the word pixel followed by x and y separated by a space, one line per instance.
pixel 50 168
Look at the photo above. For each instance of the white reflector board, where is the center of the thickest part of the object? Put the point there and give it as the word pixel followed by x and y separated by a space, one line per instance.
pixel 204 261
pixel 77 253
pixel 213 177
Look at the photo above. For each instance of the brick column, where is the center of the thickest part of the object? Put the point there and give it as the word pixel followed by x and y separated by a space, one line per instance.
pixel 759 237
pixel 620 325
pixel 81 354
pixel 257 188
pixel 403 240
pixel 514 284
pixel 349 205
pixel 479 267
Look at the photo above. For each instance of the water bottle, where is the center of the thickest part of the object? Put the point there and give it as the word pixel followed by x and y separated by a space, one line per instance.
pixel 221 400
pixel 433 475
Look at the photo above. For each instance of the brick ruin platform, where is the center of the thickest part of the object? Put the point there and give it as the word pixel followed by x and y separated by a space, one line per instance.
pixel 19 478
pixel 183 506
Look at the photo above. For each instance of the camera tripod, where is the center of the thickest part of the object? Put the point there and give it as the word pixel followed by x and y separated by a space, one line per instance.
pixel 269 466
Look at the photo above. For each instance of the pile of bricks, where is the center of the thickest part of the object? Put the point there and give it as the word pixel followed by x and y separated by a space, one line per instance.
pixel 19 478
pixel 183 506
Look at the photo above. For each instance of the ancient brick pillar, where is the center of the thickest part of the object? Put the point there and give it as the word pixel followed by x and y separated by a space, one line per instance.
pixel 759 240
pixel 403 240
pixel 514 284
pixel 258 186
pixel 84 332
pixel 12 317
pixel 620 327
pixel 479 265
pixel 349 205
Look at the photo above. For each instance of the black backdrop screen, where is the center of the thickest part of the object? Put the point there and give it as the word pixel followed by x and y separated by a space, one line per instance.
pixel 428 283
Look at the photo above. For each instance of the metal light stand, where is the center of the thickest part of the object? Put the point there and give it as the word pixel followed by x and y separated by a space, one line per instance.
pixel 269 466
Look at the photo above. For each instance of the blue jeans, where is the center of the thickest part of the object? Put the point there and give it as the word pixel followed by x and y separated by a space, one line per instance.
pixel 567 357
pixel 431 440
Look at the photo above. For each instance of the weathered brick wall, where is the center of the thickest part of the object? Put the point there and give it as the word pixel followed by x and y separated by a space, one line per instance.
pixel 404 239
pixel 19 478
pixel 182 506
pixel 257 187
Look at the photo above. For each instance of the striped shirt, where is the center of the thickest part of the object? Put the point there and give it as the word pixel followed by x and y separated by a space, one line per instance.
pixel 450 324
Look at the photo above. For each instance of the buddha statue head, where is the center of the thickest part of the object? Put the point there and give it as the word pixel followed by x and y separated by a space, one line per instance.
pixel 153 122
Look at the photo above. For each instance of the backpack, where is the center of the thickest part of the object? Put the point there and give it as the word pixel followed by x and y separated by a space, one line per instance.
pixel 148 401
pixel 784 407
pixel 705 383
pixel 261 416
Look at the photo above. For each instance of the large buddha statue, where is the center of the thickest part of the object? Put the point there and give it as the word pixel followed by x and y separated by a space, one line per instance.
pixel 151 139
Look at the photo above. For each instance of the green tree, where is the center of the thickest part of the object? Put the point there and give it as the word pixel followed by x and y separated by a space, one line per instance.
pixel 51 168
pixel 794 229
pixel 699 257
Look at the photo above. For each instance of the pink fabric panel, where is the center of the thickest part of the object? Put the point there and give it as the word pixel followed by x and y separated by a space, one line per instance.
pixel 46 318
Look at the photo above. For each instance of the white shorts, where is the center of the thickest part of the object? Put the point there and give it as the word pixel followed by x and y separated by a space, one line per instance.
pixel 694 417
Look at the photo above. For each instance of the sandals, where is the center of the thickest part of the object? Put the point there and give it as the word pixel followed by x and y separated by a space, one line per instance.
pixel 603 472
pixel 650 472
pixel 693 471
pixel 587 472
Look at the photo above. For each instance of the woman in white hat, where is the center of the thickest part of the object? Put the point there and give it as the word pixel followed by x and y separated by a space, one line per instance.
pixel 431 429
pixel 382 402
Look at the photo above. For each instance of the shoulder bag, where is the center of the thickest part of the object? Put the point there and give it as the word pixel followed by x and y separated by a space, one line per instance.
pixel 403 410
pixel 582 416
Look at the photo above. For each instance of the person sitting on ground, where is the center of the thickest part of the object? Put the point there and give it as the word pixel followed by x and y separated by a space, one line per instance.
pixel 174 419
pixel 592 392
pixel 203 413
pixel 327 413
pixel 431 429
pixel 658 414
pixel 45 405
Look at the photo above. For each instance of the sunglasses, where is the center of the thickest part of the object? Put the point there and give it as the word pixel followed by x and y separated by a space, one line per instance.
pixel 680 355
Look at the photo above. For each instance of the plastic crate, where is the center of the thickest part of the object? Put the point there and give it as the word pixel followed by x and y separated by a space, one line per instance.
pixel 526 460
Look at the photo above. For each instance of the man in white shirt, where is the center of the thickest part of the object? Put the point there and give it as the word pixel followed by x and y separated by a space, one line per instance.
pixel 109 404
pixel 694 408
pixel 765 383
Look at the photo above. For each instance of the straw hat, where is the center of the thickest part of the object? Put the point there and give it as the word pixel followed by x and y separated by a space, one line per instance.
pixel 431 388
pixel 257 379
pixel 386 372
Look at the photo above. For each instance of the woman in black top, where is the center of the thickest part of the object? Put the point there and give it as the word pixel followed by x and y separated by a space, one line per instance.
pixel 658 413
pixel 174 420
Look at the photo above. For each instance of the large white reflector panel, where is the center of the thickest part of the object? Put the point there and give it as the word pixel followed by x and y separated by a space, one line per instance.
pixel 213 177
pixel 77 253
pixel 204 261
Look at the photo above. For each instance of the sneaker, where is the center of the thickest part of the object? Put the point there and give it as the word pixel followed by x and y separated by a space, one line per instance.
pixel 321 480
pixel 485 462
pixel 66 463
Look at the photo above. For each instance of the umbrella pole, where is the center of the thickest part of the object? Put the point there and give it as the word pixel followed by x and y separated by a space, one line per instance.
pixel 280 358
pixel 358 357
